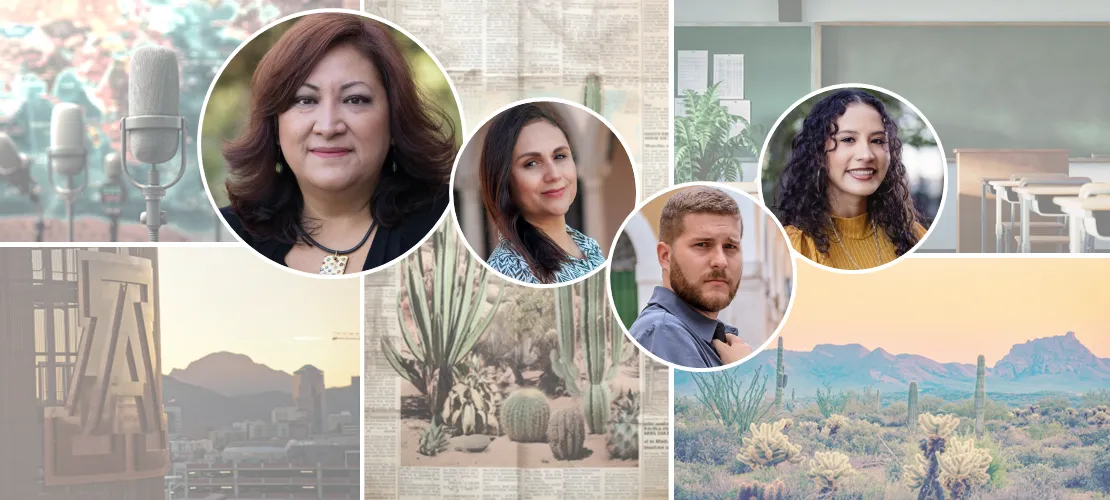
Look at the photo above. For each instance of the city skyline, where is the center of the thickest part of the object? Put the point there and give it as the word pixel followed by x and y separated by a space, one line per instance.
pixel 912 307
pixel 217 299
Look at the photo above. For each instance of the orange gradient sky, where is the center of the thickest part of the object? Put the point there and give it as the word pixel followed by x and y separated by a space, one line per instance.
pixel 230 299
pixel 953 309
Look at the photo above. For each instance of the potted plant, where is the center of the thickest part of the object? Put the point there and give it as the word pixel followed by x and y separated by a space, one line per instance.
pixel 705 148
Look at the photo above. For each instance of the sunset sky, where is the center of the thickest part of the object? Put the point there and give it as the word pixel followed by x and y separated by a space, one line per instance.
pixel 230 299
pixel 953 309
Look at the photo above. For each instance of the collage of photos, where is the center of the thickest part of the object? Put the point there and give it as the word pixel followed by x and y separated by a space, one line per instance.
pixel 637 249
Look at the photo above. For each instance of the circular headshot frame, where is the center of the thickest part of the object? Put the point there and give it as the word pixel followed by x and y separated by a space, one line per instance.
pixel 762 209
pixel 219 73
pixel 928 125
pixel 636 175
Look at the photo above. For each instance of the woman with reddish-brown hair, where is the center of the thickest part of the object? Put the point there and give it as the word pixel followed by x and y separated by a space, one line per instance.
pixel 343 164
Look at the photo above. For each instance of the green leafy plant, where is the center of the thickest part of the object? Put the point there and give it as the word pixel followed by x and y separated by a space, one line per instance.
pixel 448 320
pixel 705 148
pixel 472 405
pixel 433 441
pixel 830 403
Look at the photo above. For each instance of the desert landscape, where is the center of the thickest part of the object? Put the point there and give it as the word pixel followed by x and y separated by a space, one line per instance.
pixel 537 377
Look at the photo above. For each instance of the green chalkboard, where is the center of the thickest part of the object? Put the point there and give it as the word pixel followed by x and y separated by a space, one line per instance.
pixel 777 62
pixel 992 86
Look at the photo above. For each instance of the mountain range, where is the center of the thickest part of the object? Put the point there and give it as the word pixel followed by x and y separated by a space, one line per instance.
pixel 1051 364
pixel 222 388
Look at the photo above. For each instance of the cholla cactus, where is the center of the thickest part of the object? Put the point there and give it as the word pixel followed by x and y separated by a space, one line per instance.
pixel 767 446
pixel 784 425
pixel 962 467
pixel 938 426
pixel 925 469
pixel 1099 419
pixel 756 490
pixel 829 470
pixel 835 423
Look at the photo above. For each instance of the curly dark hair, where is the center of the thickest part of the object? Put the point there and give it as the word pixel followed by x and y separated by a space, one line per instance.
pixel 803 186
pixel 269 203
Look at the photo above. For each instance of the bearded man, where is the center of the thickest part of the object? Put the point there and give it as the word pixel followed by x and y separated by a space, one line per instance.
pixel 699 250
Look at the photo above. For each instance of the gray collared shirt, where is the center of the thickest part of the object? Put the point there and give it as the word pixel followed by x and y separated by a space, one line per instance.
pixel 674 331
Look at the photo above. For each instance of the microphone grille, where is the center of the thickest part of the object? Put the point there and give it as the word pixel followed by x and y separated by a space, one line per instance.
pixel 153 84
pixel 9 154
pixel 67 126
pixel 112 165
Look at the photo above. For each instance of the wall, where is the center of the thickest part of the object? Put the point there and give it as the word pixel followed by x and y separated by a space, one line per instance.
pixel 724 12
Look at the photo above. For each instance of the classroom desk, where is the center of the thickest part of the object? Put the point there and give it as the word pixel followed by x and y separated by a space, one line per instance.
pixel 984 187
pixel 1073 206
pixel 1038 194
pixel 1000 188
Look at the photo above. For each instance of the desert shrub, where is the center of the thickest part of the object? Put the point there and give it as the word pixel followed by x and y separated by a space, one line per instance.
pixel 1052 404
pixel 700 481
pixel 1095 398
pixel 930 404
pixel 1059 458
pixel 705 442
pixel 1099 479
pixel 1095 437
pixel 999 464
pixel 1037 482
pixel 857 438
pixel 993 410
pixel 1042 430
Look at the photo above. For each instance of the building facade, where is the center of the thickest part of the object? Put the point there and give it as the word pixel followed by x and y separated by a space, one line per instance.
pixel 80 373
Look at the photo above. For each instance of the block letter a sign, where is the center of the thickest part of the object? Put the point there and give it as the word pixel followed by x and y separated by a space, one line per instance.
pixel 112 427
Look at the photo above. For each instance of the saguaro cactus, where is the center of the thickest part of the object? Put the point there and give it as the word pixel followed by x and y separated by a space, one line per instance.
pixel 447 322
pixel 911 408
pixel 980 395
pixel 592 97
pixel 780 378
pixel 597 330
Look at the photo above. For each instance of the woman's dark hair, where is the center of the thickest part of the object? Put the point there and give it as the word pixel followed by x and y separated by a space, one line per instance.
pixel 269 202
pixel 543 256
pixel 802 189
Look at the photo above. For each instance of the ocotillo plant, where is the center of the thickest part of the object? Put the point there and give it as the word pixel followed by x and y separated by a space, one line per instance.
pixel 780 379
pixel 911 409
pixel 980 395
pixel 723 394
pixel 597 329
pixel 447 322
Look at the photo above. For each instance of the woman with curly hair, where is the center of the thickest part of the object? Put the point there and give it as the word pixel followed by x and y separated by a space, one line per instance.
pixel 843 196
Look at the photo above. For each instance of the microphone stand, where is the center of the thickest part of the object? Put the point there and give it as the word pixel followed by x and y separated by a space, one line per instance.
pixel 153 191
pixel 68 193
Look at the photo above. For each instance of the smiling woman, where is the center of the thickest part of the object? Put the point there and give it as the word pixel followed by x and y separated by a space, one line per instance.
pixel 844 196
pixel 344 163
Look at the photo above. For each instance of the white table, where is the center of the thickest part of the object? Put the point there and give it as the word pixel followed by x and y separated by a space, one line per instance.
pixel 984 187
pixel 1073 206
pixel 1030 194
pixel 1000 188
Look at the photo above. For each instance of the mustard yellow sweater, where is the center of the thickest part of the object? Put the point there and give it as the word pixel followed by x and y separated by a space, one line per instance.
pixel 858 239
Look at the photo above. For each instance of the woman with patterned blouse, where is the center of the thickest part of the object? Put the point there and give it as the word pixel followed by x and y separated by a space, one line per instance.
pixel 529 181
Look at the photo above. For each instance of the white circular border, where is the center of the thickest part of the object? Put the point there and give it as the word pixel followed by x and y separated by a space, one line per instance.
pixel 455 168
pixel 793 280
pixel 204 109
pixel 928 124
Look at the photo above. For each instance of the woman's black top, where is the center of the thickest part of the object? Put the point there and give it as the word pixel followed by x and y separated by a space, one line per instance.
pixel 388 244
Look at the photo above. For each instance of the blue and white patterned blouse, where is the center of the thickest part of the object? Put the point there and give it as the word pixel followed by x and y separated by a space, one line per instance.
pixel 507 261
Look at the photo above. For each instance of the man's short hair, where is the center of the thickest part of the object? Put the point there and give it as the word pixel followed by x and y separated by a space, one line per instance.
pixel 694 200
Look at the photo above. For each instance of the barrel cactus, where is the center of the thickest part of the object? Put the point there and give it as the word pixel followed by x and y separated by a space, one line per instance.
pixel 566 434
pixel 524 416
pixel 624 431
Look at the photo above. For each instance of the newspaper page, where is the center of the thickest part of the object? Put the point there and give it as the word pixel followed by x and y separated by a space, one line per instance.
pixel 489 438
pixel 500 51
